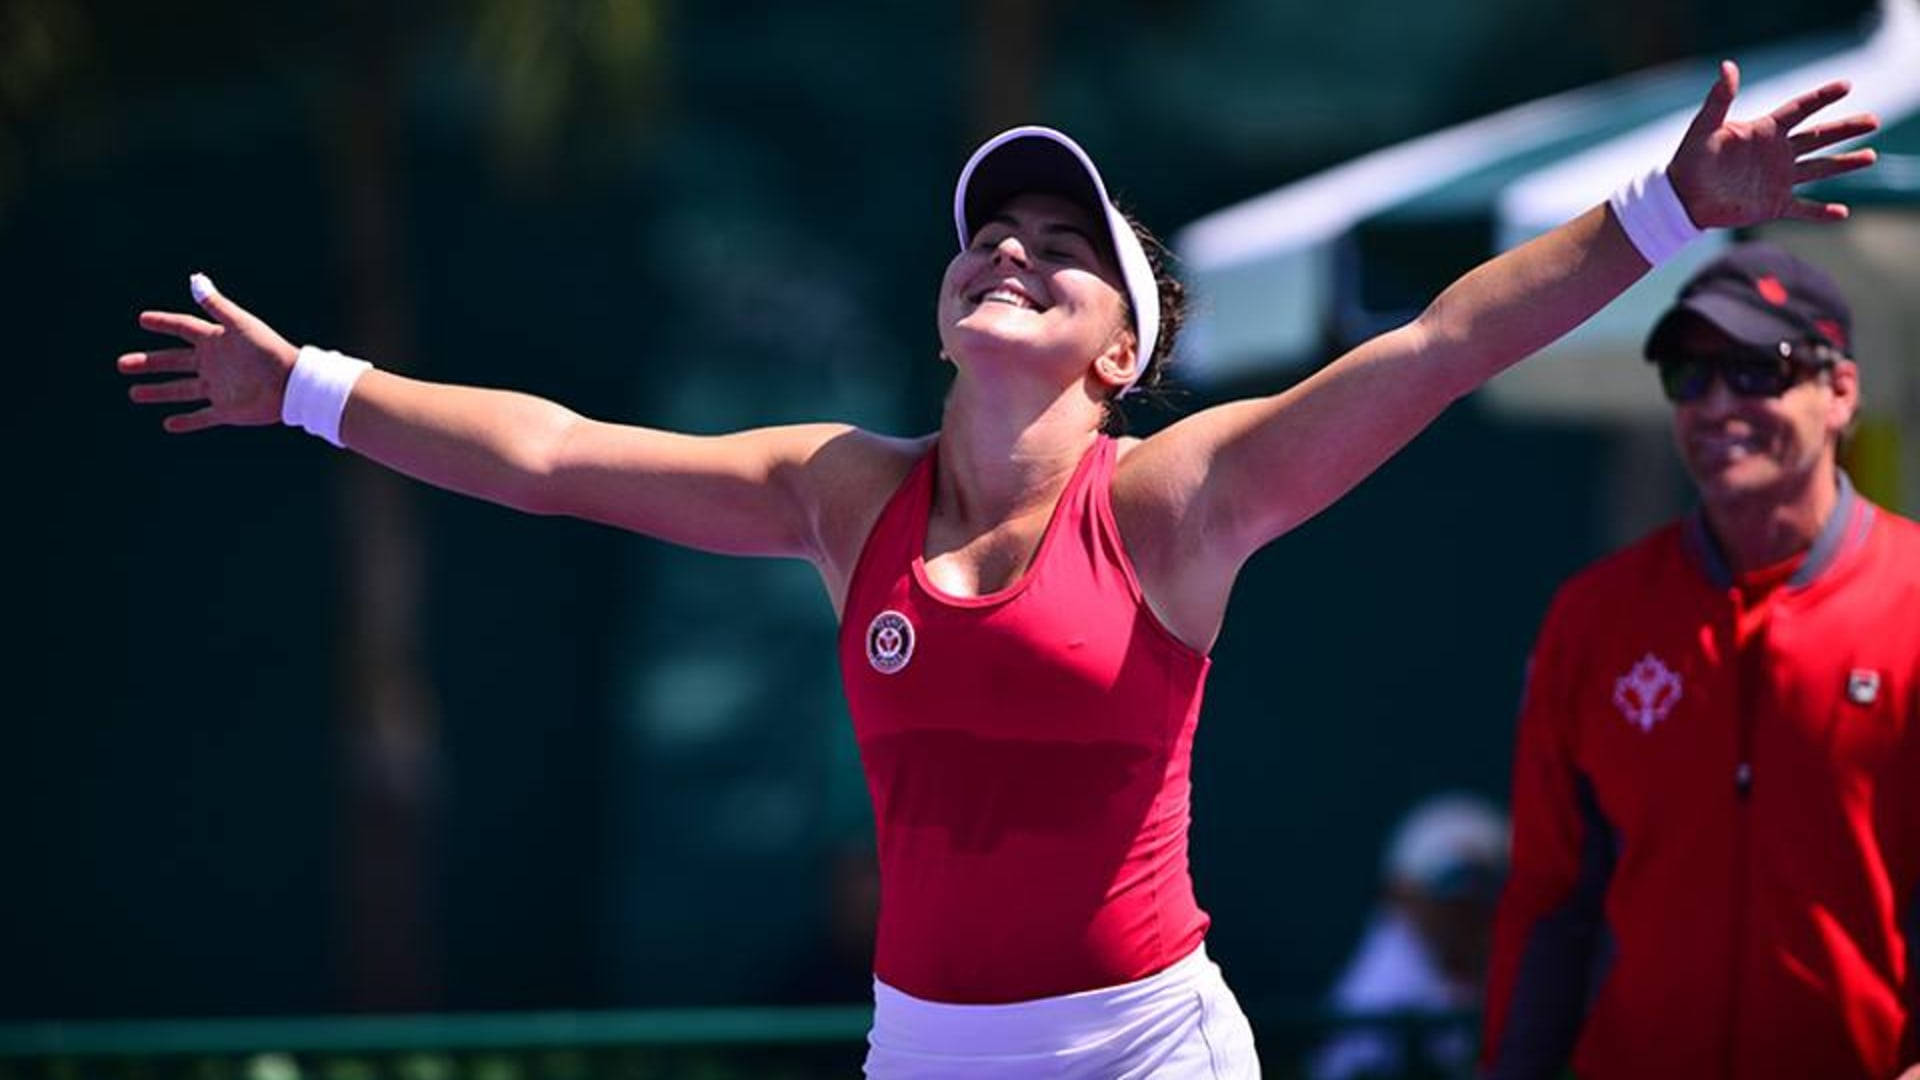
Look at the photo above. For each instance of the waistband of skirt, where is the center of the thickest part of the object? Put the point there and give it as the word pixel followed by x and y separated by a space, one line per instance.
pixel 905 1022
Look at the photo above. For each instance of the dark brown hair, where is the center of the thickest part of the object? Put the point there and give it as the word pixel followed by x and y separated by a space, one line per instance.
pixel 1152 387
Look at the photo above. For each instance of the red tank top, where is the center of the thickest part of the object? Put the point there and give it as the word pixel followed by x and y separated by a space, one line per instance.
pixel 1028 754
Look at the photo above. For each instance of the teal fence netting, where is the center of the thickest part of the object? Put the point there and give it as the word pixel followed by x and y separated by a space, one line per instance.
pixel 671 1044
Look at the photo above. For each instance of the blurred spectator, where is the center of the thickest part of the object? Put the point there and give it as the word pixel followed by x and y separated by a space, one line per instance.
pixel 1426 948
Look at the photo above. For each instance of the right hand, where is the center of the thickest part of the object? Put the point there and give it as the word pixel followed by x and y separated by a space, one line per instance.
pixel 237 365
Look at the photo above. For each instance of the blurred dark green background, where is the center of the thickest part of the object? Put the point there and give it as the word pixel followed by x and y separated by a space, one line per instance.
pixel 287 737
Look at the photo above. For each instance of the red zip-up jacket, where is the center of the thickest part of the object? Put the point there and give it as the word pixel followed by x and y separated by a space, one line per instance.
pixel 1716 813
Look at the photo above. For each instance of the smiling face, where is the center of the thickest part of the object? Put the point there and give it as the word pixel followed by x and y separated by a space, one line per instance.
pixel 1037 286
pixel 1745 449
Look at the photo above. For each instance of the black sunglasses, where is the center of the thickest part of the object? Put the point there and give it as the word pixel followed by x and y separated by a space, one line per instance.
pixel 1748 370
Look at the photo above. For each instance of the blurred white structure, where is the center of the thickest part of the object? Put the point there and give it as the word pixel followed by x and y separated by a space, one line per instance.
pixel 1283 277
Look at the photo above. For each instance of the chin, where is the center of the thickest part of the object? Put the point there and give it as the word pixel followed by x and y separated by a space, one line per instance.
pixel 1737 482
pixel 974 339
pixel 993 323
pixel 994 335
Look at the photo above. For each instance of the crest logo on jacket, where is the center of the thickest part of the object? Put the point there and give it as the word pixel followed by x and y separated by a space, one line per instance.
pixel 889 642
pixel 1647 692
pixel 1863 686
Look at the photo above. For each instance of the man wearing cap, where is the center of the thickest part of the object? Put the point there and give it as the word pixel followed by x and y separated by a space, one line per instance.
pixel 1717 784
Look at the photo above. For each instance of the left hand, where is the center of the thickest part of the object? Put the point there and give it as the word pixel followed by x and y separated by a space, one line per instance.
pixel 1729 173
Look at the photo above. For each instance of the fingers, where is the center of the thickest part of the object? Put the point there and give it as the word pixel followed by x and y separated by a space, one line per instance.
pixel 1810 210
pixel 1821 168
pixel 1713 111
pixel 1788 116
pixel 1822 136
pixel 176 392
pixel 183 423
pixel 213 302
pixel 156 362
pixel 171 392
pixel 184 327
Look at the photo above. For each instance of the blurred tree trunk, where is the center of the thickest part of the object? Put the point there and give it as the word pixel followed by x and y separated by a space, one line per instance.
pixel 550 61
pixel 1008 40
pixel 1637 34
pixel 388 720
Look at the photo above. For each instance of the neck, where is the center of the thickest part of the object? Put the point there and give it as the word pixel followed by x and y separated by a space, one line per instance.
pixel 1764 530
pixel 1000 458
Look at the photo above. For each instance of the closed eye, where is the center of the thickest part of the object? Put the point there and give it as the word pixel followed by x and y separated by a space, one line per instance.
pixel 1058 242
pixel 989 235
pixel 1065 243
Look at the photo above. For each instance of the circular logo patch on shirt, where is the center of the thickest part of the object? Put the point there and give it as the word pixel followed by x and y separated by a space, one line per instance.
pixel 889 642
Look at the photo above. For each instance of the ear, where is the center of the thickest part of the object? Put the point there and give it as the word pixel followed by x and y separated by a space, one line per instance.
pixel 1116 366
pixel 1844 382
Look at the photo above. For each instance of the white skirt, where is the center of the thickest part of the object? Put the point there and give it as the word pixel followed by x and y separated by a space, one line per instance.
pixel 1181 1024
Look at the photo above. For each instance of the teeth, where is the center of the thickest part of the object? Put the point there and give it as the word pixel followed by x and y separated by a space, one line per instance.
pixel 1008 296
pixel 1732 445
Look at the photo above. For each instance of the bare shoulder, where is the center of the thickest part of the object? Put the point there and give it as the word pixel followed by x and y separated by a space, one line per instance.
pixel 847 478
pixel 1184 572
pixel 841 461
pixel 1158 486
pixel 860 448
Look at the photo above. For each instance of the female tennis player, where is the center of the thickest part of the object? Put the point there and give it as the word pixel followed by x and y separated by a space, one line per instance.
pixel 1026 602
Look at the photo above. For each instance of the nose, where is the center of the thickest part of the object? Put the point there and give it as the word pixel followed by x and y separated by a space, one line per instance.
pixel 1714 406
pixel 1010 249
pixel 1719 399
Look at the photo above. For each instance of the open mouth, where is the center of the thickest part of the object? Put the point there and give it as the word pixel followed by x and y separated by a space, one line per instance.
pixel 1723 445
pixel 1009 294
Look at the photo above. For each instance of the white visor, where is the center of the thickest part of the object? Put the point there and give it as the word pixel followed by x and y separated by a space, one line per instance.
pixel 1041 160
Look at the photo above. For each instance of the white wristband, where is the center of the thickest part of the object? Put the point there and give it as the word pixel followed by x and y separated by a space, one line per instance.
pixel 317 391
pixel 1651 214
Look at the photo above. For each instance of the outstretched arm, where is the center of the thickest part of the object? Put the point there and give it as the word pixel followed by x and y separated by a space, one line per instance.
pixel 1250 470
pixel 764 492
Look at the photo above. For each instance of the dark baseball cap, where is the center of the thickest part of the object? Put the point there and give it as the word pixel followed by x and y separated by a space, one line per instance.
pixel 1760 295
